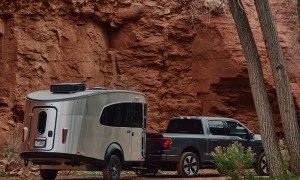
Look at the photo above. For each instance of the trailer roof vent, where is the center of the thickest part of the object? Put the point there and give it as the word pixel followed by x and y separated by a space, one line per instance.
pixel 98 88
pixel 67 87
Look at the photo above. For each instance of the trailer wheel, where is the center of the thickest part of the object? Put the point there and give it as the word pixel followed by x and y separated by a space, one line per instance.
pixel 188 165
pixel 261 168
pixel 112 169
pixel 48 174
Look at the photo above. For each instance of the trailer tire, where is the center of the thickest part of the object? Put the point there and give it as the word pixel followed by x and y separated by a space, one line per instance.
pixel 112 169
pixel 188 165
pixel 261 166
pixel 48 174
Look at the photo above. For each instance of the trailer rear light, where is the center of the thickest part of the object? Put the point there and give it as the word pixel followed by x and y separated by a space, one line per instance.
pixel 166 142
pixel 64 135
pixel 24 133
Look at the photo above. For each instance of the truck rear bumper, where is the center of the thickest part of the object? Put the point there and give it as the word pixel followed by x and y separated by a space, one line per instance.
pixel 53 158
pixel 162 158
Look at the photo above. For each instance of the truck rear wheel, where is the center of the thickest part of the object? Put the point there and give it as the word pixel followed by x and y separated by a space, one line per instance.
pixel 48 174
pixel 261 167
pixel 112 169
pixel 188 165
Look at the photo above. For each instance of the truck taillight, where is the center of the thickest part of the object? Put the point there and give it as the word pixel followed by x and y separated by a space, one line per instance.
pixel 166 142
pixel 64 135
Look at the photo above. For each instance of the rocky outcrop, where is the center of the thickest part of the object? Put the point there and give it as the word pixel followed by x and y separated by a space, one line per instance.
pixel 184 55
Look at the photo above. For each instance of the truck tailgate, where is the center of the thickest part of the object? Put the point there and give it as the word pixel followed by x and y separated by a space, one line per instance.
pixel 153 144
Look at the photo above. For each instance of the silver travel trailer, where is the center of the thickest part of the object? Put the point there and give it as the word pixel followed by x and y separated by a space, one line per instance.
pixel 71 128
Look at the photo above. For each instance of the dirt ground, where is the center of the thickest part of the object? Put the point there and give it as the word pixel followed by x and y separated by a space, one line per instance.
pixel 203 175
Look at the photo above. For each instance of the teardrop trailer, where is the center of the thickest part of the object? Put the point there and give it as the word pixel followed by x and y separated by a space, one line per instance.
pixel 71 128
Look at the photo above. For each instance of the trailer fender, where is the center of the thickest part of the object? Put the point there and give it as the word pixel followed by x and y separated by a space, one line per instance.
pixel 115 149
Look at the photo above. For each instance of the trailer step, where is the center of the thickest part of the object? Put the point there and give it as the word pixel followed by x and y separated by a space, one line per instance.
pixel 139 168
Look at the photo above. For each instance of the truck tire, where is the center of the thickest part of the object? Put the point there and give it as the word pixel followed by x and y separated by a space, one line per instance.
pixel 188 165
pixel 48 174
pixel 112 169
pixel 261 166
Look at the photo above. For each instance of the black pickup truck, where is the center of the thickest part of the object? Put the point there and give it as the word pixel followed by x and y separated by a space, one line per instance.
pixel 189 140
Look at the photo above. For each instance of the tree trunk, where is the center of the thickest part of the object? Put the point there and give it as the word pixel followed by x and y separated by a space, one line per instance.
pixel 261 100
pixel 283 90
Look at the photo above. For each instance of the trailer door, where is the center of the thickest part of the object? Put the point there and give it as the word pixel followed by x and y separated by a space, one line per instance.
pixel 42 128
pixel 138 132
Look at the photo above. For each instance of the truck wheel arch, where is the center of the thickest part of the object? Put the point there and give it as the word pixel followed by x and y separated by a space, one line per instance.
pixel 193 150
pixel 114 149
pixel 257 156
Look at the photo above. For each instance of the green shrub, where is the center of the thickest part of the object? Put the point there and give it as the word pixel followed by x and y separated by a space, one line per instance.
pixel 233 160
pixel 12 146
pixel 11 149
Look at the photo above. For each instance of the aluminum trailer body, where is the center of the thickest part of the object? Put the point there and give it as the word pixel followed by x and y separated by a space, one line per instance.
pixel 82 130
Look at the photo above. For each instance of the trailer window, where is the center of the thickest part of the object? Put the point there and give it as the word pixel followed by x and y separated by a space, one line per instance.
pixel 191 126
pixel 41 126
pixel 1 48
pixel 123 115
pixel 135 118
pixel 145 116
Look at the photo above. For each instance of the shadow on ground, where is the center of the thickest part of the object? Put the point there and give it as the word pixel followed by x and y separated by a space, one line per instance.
pixel 203 175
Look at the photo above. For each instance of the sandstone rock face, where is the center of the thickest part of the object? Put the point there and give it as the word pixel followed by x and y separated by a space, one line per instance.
pixel 186 60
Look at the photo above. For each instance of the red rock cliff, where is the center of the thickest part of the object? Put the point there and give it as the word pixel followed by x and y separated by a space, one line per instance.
pixel 187 61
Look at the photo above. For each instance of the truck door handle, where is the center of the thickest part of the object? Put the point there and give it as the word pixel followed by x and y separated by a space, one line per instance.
pixel 132 133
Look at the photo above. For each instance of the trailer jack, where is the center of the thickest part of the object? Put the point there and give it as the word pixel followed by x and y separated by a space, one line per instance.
pixel 26 162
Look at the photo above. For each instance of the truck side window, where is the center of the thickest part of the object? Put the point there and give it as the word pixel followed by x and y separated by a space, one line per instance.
pixel 191 126
pixel 123 115
pixel 216 127
pixel 235 129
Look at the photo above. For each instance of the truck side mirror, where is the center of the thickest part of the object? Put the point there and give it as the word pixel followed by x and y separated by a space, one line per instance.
pixel 251 135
